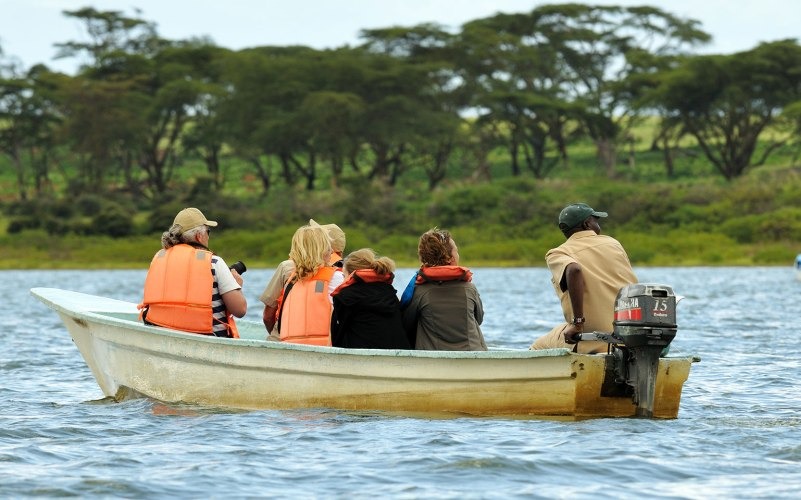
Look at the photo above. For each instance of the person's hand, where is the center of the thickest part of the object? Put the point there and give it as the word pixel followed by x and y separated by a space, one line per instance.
pixel 237 277
pixel 571 333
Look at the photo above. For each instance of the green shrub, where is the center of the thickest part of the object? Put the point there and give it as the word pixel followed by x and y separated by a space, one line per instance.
pixel 778 225
pixel 400 248
pixel 161 217
pixel 363 202
pixel 742 229
pixel 112 220
pixel 783 224
pixel 466 205
pixel 23 207
pixel 56 226
pixel 19 224
pixel 775 253
pixel 505 252
pixel 89 204
pixel 641 248
pixel 62 209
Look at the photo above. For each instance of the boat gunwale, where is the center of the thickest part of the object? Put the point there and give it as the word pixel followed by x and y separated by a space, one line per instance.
pixel 96 313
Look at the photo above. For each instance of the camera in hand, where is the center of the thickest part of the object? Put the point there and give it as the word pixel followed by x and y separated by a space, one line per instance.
pixel 239 267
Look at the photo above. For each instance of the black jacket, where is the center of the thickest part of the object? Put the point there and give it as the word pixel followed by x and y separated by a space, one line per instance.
pixel 367 316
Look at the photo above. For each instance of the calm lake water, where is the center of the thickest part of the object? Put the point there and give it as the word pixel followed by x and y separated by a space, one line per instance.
pixel 738 434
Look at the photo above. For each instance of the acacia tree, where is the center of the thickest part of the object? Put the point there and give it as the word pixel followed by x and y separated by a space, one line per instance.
pixel 595 48
pixel 726 102
pixel 103 125
pixel 104 105
pixel 112 36
pixel 28 125
pixel 428 121
pixel 513 83
pixel 791 120
pixel 332 121
pixel 207 134
pixel 184 93
pixel 267 88
pixel 164 79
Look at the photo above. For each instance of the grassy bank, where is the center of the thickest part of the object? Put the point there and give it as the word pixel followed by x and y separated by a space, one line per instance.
pixel 264 249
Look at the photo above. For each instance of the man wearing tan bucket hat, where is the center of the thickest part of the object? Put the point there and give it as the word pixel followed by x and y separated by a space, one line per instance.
pixel 188 287
pixel 587 271
pixel 285 269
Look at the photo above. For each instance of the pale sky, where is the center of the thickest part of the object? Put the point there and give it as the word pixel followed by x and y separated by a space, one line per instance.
pixel 29 28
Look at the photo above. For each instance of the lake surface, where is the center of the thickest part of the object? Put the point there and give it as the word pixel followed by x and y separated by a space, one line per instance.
pixel 738 434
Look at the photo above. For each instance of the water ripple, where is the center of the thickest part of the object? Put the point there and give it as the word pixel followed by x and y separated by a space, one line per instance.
pixel 736 436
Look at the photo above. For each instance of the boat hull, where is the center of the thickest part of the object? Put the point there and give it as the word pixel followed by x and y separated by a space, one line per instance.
pixel 252 373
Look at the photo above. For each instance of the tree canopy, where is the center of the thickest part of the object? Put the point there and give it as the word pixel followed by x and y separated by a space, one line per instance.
pixel 416 100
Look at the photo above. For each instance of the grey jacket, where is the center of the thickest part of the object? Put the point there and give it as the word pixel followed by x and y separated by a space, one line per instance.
pixel 445 316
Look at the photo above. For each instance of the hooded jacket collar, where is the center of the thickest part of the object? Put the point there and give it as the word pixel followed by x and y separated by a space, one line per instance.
pixel 365 276
pixel 439 274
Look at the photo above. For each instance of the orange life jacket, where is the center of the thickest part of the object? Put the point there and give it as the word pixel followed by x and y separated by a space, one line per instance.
pixel 178 290
pixel 306 310
pixel 335 262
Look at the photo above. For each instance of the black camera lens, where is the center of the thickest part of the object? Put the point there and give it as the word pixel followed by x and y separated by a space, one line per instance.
pixel 239 267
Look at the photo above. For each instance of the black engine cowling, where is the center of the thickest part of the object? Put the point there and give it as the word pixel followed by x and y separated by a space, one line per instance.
pixel 645 315
pixel 644 327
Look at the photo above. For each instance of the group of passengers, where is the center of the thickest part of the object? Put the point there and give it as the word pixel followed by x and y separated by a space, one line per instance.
pixel 320 296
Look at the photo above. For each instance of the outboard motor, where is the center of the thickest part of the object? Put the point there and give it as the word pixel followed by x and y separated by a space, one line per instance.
pixel 644 326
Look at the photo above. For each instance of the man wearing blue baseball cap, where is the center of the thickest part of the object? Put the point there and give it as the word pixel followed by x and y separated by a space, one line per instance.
pixel 587 271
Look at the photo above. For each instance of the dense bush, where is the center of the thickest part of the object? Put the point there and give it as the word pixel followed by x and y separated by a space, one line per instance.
pixel 508 221
pixel 89 204
pixel 112 220
pixel 19 224
pixel 365 203
pixel 466 205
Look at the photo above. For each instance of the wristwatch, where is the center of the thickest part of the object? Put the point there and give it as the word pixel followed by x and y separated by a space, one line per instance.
pixel 578 320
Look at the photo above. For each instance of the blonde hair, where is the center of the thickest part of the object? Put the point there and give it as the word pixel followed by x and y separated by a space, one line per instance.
pixel 434 248
pixel 366 258
pixel 310 244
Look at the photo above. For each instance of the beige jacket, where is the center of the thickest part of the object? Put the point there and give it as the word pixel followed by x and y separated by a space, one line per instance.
pixel 606 269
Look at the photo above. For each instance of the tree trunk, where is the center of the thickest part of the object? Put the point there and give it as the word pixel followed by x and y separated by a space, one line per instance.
pixel 607 155
pixel 21 182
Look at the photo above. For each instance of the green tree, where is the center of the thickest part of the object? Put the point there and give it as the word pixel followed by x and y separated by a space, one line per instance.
pixel 726 102
pixel 183 89
pixel 103 125
pixel 425 101
pixel 332 121
pixel 28 125
pixel 163 82
pixel 207 132
pixel 112 37
pixel 597 49
pixel 268 86
pixel 514 84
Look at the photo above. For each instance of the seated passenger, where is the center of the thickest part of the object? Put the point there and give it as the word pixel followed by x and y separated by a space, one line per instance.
pixel 304 314
pixel 366 307
pixel 188 287
pixel 283 272
pixel 445 310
